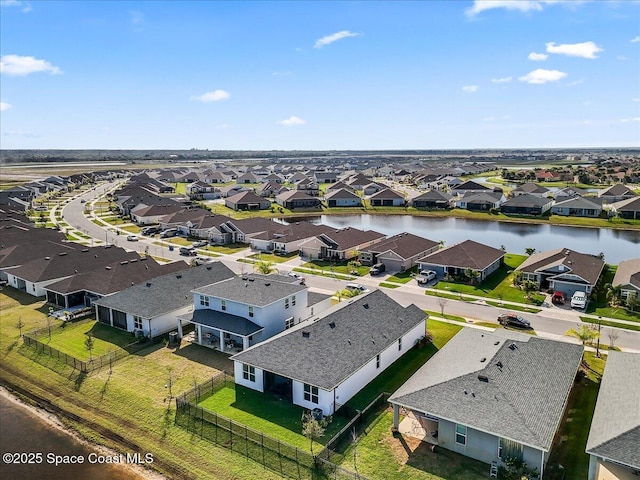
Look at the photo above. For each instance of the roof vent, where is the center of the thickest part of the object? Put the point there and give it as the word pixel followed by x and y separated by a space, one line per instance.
pixel 84 250
pixel 124 262
pixel 496 343
pixel 252 279
pixel 107 267
pixel 499 365
pixel 133 260
pixel 483 378
pixel 178 276
pixel 306 334
pixel 76 270
pixel 267 284
pixel 47 258
pixel 132 284
pixel 62 254
pixel 473 394
pixel 332 324
pixel 149 284
pixel 483 359
pixel 366 305
pixel 567 252
pixel 209 267
pixel 513 346
pixel 465 392
pixel 349 341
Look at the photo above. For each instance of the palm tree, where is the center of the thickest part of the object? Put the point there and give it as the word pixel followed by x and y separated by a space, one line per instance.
pixel 264 266
pixel 585 333
pixel 346 293
pixel 613 294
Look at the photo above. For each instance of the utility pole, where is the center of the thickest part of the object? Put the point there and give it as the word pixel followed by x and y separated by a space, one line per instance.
pixel 598 340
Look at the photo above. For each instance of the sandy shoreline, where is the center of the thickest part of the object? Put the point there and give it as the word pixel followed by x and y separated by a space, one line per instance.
pixel 54 422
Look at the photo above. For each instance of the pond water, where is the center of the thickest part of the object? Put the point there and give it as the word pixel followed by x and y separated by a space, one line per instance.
pixel 617 245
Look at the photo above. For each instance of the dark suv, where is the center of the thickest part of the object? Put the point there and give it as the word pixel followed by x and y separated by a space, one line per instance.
pixel 377 269
pixel 513 320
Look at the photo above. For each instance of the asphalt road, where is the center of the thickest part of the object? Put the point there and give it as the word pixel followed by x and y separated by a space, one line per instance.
pixel 549 324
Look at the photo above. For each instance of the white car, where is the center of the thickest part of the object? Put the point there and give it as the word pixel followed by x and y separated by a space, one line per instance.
pixel 579 300
pixel 357 286
pixel 200 243
pixel 300 278
pixel 132 238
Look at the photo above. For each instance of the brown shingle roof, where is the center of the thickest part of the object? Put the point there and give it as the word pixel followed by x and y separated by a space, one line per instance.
pixel 583 265
pixel 467 254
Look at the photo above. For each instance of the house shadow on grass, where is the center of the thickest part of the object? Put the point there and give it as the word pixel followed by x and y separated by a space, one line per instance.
pixel 23 298
pixel 205 356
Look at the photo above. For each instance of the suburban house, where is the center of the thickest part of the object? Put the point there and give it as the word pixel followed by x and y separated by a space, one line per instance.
pixel 308 186
pixel 629 208
pixel 398 253
pixel 83 289
pixel 325 177
pixel 372 188
pixel 296 199
pixel 273 178
pixel 296 177
pixel 270 189
pixel 243 230
pixel 338 186
pixel 563 270
pixel 387 198
pixel 200 190
pixel 199 223
pixel 358 181
pixel 627 277
pixel 467 255
pixel 577 206
pixel 340 244
pixel 432 199
pixel 153 307
pixel 615 428
pixel 17 254
pixel 527 204
pixel 236 313
pixel 322 363
pixel 342 198
pixel 569 192
pixel 531 189
pixel 32 277
pixel 480 201
pixel 468 187
pixel 247 201
pixel 249 177
pixel 490 396
pixel 286 238
pixel 615 193
pixel 231 190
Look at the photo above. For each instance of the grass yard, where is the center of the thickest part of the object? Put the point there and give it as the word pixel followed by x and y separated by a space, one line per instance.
pixel 403 277
pixel 131 228
pixel 382 456
pixel 571 440
pixel 270 257
pixel 389 285
pixel 227 249
pixel 450 296
pixel 266 413
pixel 338 267
pixel 606 323
pixel 514 307
pixel 619 313
pixel 447 316
pixel 69 338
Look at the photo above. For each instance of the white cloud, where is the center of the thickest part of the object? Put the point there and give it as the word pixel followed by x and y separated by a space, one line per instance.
pixel 622 58
pixel 291 121
pixel 584 49
pixel 538 57
pixel 215 96
pixel 334 37
pixel 524 6
pixel 501 80
pixel 635 100
pixel 576 82
pixel 19 66
pixel 26 6
pixel 541 76
pixel 5 106
pixel 627 120
pixel 635 39
pixel 281 74
pixel 470 88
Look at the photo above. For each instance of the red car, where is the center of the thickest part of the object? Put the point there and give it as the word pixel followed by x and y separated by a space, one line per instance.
pixel 558 298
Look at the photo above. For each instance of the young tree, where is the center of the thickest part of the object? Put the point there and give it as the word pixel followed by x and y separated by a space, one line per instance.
pixel 89 344
pixel 312 428
pixel 613 335
pixel 584 333
pixel 264 266
pixel 529 251
pixel 632 302
pixel 339 295
pixel 443 303
pixel 529 286
pixel 20 326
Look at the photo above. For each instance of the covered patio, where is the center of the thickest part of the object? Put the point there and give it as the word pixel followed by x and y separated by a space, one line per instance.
pixel 220 331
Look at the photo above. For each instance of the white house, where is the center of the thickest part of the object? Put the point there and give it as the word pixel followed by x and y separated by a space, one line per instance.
pixel 325 361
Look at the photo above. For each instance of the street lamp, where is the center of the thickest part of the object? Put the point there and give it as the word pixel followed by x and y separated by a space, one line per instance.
pixel 598 344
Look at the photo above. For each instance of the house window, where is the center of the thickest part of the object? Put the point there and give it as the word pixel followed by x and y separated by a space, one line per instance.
pixel 310 393
pixel 204 301
pixel 223 305
pixel 286 303
pixel 400 343
pixel 249 372
pixel 288 323
pixel 461 434
pixel 137 322
pixel 251 311
pixel 293 300
pixel 378 361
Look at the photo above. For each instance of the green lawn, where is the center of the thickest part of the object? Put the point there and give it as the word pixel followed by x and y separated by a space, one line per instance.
pixel 382 456
pixel 337 267
pixel 450 296
pixel 389 285
pixel 270 257
pixel 606 323
pixel 454 318
pixel 266 413
pixel 180 188
pixel 131 228
pixel 403 277
pixel 514 307
pixel 227 249
pixel 69 338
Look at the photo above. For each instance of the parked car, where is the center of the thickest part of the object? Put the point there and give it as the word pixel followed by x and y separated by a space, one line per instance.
pixel 357 286
pixel 202 260
pixel 300 278
pixel 377 269
pixel 188 251
pixel 513 320
pixel 150 230
pixel 558 298
pixel 132 238
pixel 425 277
pixel 171 232
pixel 579 300
pixel 200 243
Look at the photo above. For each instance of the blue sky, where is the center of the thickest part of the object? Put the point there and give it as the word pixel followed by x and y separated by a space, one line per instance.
pixel 323 75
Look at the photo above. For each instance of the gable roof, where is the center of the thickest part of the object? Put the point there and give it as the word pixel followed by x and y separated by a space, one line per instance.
pixel 615 428
pixel 342 193
pixel 246 197
pixel 525 391
pixel 467 254
pixel 434 195
pixel 469 185
pixel 583 265
pixel 338 186
pixel 253 225
pixel 295 195
pixel 387 193
pixel 593 203
pixel 628 273
pixel 25 252
pixel 350 237
pixel 629 205
pixel 293 232
pixel 527 200
pixel 531 188
pixel 406 245
pixel 362 328
pixel 166 293
pixel 619 189
pixel 257 290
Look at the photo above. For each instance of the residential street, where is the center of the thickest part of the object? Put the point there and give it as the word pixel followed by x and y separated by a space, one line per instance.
pixel 550 323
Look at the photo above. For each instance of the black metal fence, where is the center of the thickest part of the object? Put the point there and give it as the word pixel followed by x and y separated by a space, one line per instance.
pixel 280 457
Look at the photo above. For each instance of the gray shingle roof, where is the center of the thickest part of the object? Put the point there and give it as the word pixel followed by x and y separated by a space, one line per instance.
pixel 223 321
pixel 404 244
pixel 467 254
pixel 523 400
pixel 257 290
pixel 315 297
pixel 363 327
pixel 628 273
pixel 166 293
pixel 587 267
pixel 526 200
pixel 615 428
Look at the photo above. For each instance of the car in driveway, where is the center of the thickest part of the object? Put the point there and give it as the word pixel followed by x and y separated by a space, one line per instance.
pixel 377 269
pixel 200 243
pixel 426 276
pixel 558 298
pixel 188 251
pixel 513 320
pixel 132 238
pixel 579 300
pixel 150 230
pixel 356 287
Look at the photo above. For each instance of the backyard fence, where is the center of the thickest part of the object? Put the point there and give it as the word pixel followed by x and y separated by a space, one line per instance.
pixel 280 457
pixel 30 339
